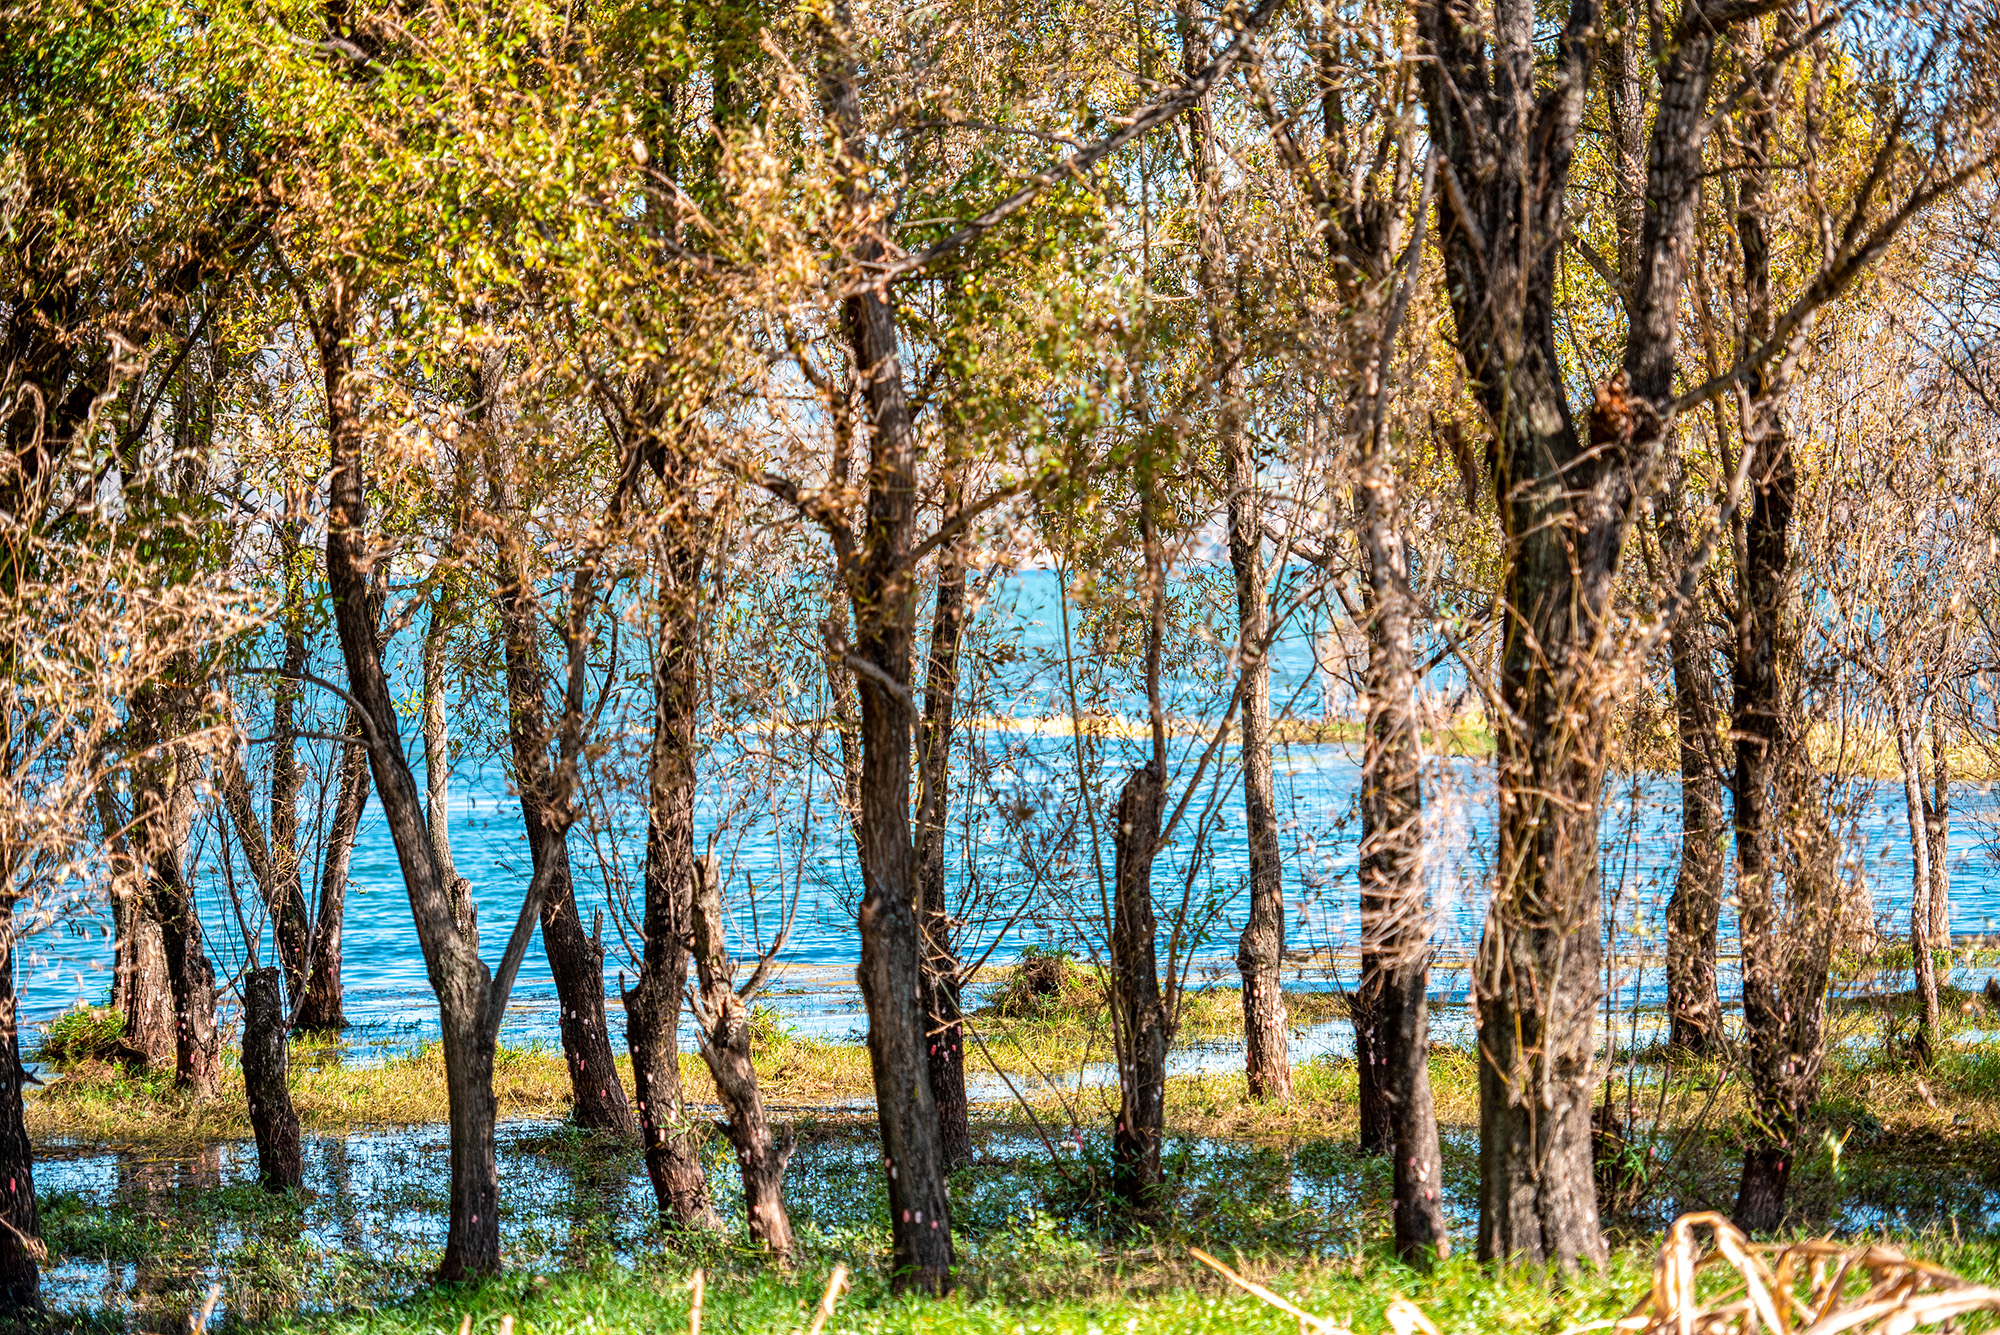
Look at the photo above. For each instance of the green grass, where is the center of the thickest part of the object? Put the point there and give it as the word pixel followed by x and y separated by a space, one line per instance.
pixel 1039 1282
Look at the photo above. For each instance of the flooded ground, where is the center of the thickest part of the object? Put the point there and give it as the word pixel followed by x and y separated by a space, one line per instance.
pixel 137 1237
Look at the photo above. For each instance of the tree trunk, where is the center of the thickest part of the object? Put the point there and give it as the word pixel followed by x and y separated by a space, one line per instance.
pixel 321 1010
pixel 437 769
pixel 472 1241
pixel 139 987
pixel 1693 1007
pixel 576 959
pixel 652 1005
pixel 1138 1012
pixel 1781 839
pixel 1909 724
pixel 725 1047
pixel 266 1082
pixel 1506 127
pixel 1395 911
pixel 284 896
pixel 1371 1095
pixel 149 1001
pixel 1260 951
pixel 944 1027
pixel 21 1249
pixel 162 814
pixel 191 977
pixel 1937 819
pixel 879 579
pixel 1537 971
pixel 469 998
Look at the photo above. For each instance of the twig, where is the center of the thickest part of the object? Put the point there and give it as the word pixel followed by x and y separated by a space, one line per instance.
pixel 1256 1290
pixel 207 1308
pixel 699 1283
pixel 836 1284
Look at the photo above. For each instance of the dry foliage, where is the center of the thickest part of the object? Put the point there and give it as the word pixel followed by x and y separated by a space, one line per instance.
pixel 1818 1287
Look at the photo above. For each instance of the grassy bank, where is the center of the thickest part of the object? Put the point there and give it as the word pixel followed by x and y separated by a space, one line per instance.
pixel 99 1103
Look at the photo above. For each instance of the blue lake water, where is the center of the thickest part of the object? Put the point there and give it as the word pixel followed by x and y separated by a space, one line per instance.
pixel 788 842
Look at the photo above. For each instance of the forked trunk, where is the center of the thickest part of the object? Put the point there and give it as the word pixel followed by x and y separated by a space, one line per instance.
pixel 879 579
pixel 1138 1011
pixel 576 957
pixel 20 1219
pixel 944 1022
pixel 267 1082
pixel 725 1047
pixel 470 1000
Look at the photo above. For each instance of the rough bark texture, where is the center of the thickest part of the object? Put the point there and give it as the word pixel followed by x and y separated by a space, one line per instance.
pixel 321 1009
pixel 472 1240
pixel 725 1048
pixel 139 988
pixel 652 1004
pixel 1138 1010
pixel 149 1001
pixel 1535 976
pixel 891 967
pixel 267 1082
pixel 1260 950
pixel 1395 911
pixel 879 578
pixel 1786 891
pixel 20 1220
pixel 190 977
pixel 162 814
pixel 1506 130
pixel 944 1026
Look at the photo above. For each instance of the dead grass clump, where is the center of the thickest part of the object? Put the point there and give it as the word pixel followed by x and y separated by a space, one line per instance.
pixel 1046 985
pixel 1801 1288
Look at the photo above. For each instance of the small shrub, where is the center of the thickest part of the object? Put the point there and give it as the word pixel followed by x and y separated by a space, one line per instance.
pixel 768 1026
pixel 1046 985
pixel 82 1034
